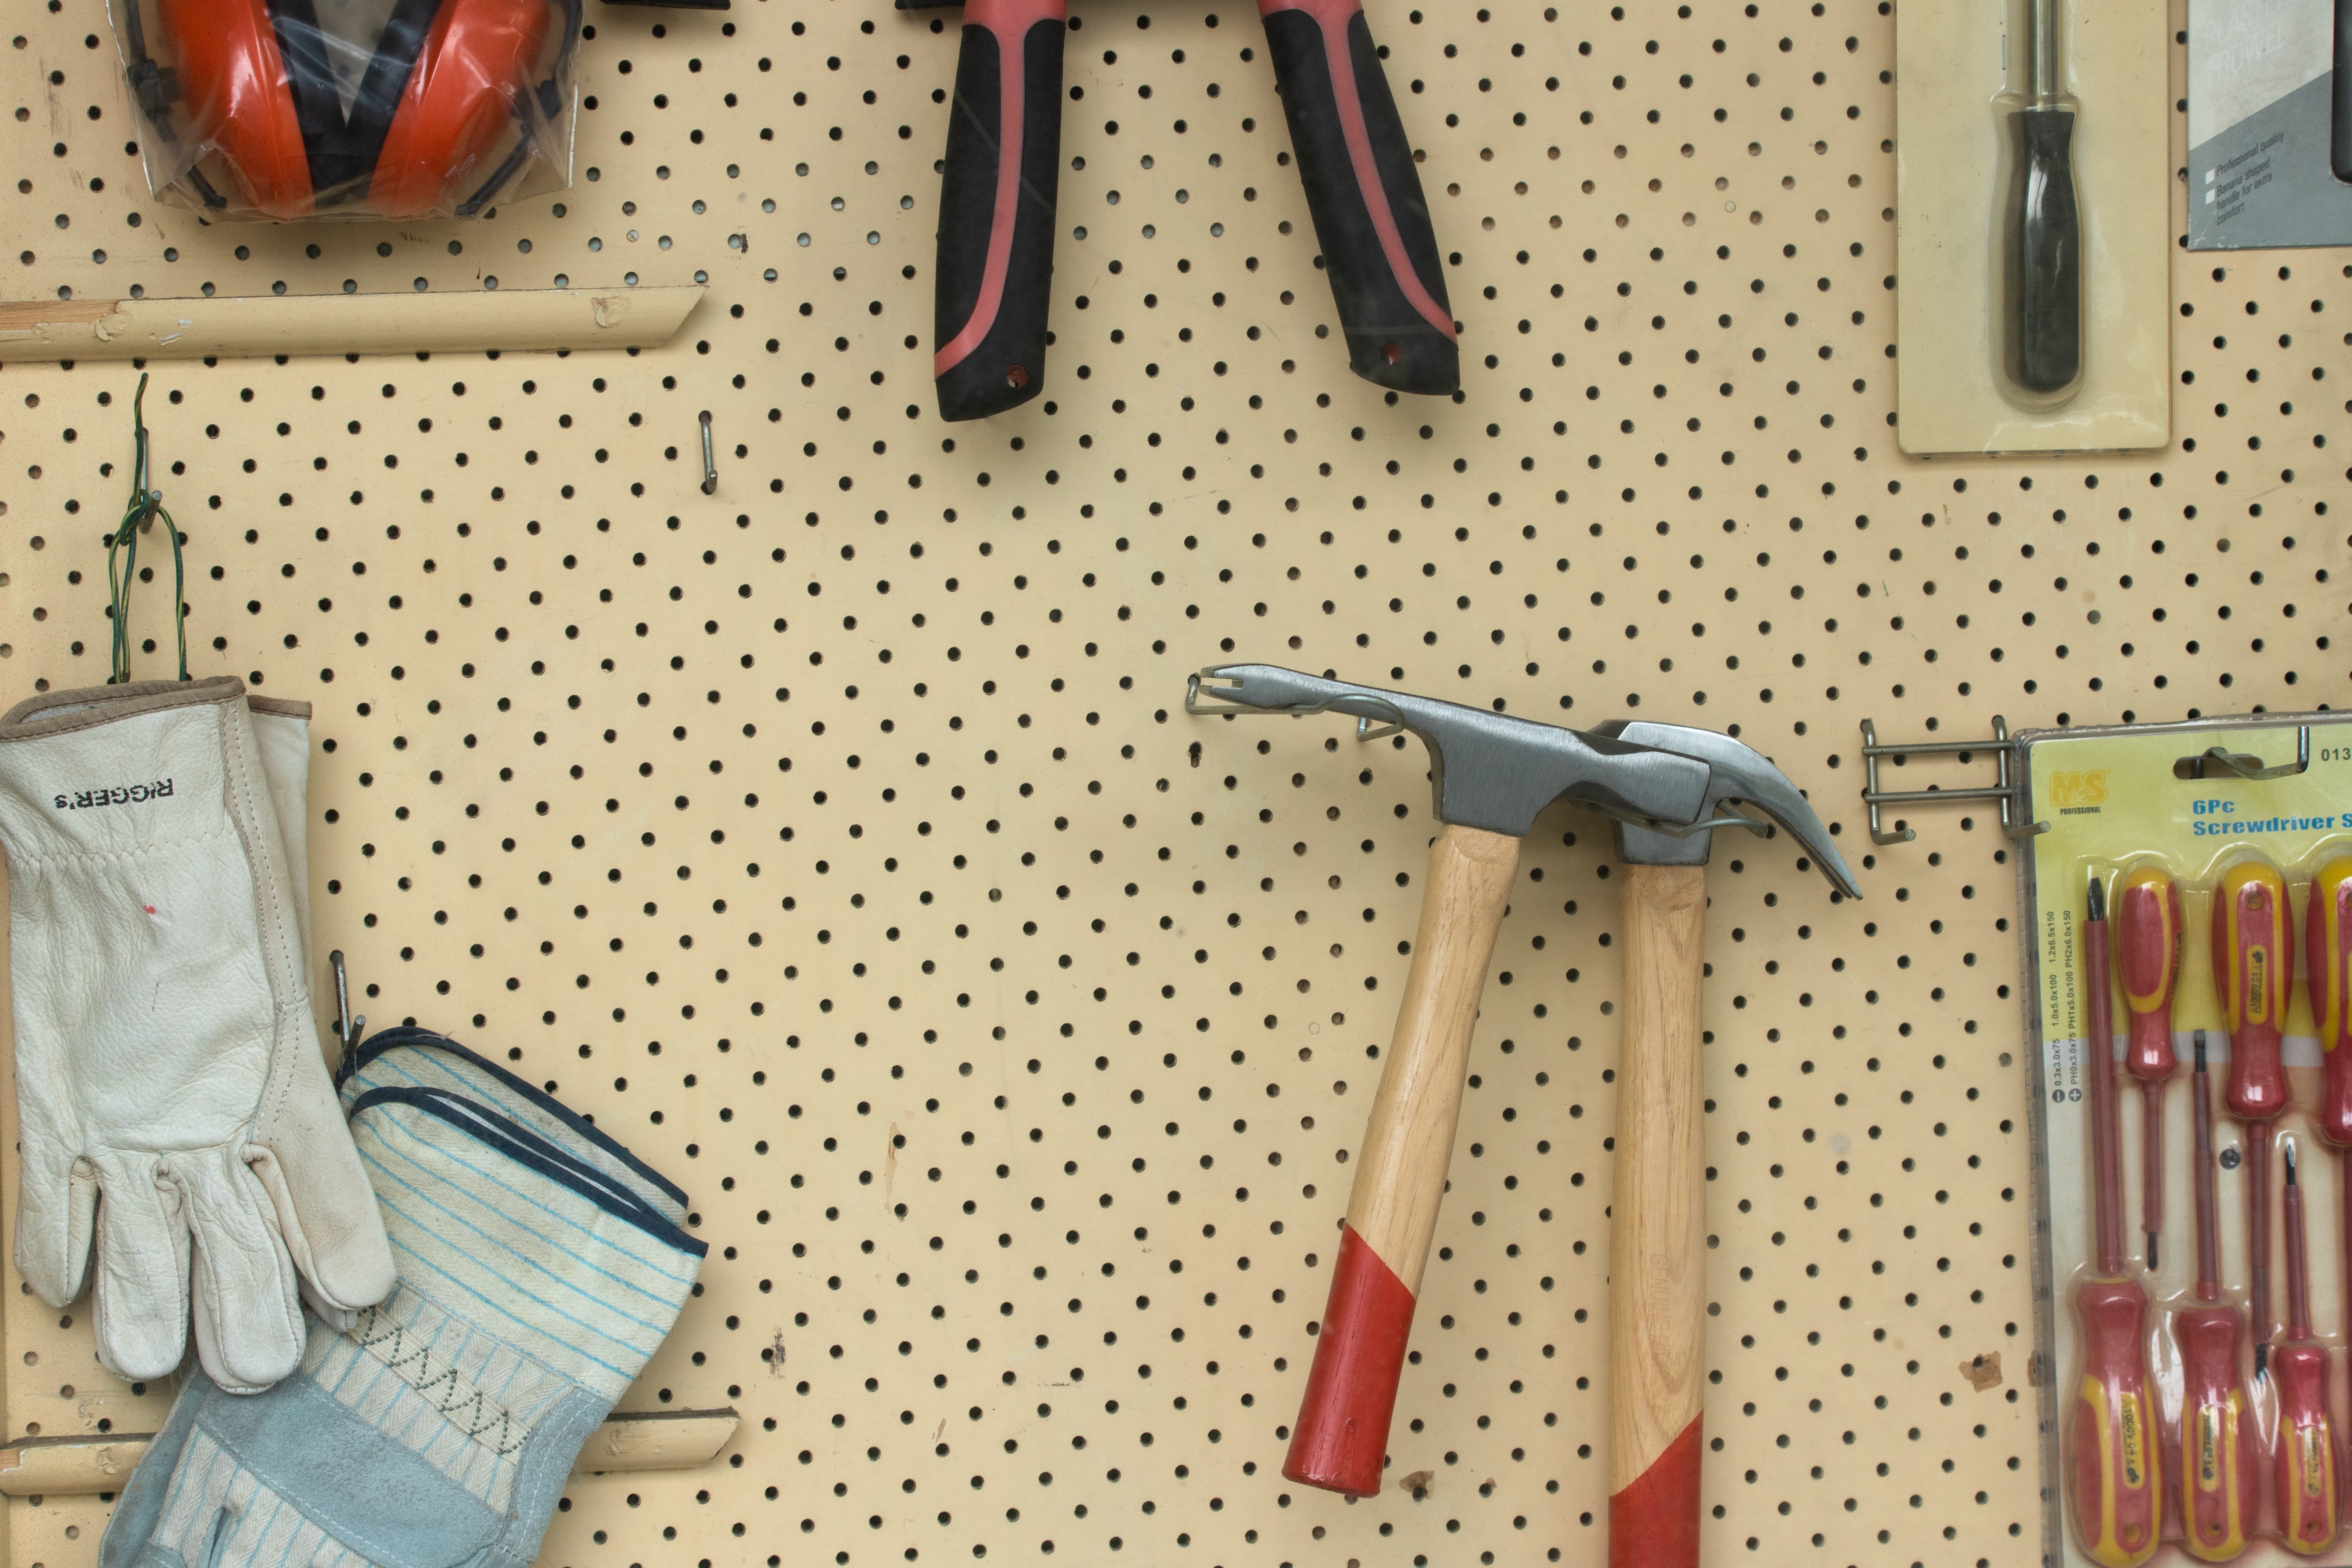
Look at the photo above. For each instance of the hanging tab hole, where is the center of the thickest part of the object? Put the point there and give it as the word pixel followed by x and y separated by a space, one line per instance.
pixel 1017 377
pixel 1390 352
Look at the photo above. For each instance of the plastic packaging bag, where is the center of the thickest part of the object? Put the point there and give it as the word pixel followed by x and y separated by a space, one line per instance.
pixel 287 109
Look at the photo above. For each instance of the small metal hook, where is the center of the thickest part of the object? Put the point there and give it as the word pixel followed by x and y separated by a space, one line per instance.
pixel 710 465
pixel 2245 766
pixel 348 1029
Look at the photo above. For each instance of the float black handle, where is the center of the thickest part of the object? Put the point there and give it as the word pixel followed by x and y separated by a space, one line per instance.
pixel 1364 194
pixel 996 208
pixel 2045 273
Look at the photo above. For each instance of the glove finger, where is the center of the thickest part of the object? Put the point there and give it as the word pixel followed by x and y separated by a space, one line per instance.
pixel 303 1158
pixel 249 1315
pixel 140 1294
pixel 57 1216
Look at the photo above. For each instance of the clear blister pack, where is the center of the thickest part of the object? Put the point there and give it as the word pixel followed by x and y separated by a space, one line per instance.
pixel 2188 954
pixel 290 110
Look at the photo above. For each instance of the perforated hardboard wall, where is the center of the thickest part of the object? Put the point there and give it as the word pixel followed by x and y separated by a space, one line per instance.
pixel 840 842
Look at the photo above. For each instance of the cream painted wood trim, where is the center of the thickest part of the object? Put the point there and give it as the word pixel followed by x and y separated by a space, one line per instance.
pixel 382 323
pixel 666 1440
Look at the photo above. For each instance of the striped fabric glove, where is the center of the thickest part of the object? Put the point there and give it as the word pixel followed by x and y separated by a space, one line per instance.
pixel 541 1265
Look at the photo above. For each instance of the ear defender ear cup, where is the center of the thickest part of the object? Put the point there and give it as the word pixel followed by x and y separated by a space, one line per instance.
pixel 233 85
pixel 456 105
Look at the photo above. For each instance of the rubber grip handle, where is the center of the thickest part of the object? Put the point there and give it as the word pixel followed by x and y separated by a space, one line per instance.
pixel 2148 960
pixel 2253 971
pixel 2339 139
pixel 2327 972
pixel 1364 194
pixel 2217 1435
pixel 2117 1471
pixel 996 208
pixel 2304 1471
pixel 2045 254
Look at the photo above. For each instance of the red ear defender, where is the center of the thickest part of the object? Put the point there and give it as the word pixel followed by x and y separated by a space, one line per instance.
pixel 458 102
pixel 233 81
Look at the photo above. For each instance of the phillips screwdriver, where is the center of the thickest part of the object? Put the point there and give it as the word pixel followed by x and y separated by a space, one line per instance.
pixel 2118 1479
pixel 2217 1438
pixel 2147 951
pixel 2305 1466
pixel 2327 971
pixel 2252 969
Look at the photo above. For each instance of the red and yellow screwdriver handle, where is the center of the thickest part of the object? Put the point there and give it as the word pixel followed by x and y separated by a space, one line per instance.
pixel 2304 1470
pixel 2117 1448
pixel 2328 969
pixel 2217 1436
pixel 2253 970
pixel 2147 919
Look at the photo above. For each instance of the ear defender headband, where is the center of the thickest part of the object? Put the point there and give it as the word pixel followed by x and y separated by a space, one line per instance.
pixel 256 85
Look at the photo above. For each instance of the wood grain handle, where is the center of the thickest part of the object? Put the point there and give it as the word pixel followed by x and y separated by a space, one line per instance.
pixel 1341 1436
pixel 1657 1230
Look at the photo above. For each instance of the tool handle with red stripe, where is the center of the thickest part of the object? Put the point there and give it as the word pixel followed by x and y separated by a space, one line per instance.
pixel 1657 1228
pixel 1341 1441
pixel 2117 1470
pixel 2327 971
pixel 2304 1469
pixel 1364 194
pixel 2253 970
pixel 2147 919
pixel 2217 1495
pixel 996 207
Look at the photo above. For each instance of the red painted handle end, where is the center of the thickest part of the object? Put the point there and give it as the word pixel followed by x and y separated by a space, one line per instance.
pixel 1654 1521
pixel 1342 1438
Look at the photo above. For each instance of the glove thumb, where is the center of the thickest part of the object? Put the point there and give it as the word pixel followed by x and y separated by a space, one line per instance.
pixel 304 1159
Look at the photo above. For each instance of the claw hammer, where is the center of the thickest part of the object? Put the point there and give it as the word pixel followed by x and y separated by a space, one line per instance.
pixel 1666 786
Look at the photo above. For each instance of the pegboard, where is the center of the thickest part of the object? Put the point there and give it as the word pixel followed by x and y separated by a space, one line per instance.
pixel 839 839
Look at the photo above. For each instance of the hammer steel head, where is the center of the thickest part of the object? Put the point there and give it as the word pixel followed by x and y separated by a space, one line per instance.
pixel 1486 770
pixel 1666 786
pixel 1737 773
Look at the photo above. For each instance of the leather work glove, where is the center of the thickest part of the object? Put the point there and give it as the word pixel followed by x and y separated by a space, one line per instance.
pixel 541 1267
pixel 172 1099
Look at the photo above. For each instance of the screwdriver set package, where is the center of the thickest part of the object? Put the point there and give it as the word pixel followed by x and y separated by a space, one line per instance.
pixel 2033 227
pixel 2188 955
pixel 2270 124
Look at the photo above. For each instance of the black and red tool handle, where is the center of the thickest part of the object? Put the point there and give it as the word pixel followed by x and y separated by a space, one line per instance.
pixel 996 269
pixel 1364 194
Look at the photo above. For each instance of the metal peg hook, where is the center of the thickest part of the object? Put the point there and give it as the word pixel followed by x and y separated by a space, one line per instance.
pixel 348 1029
pixel 710 464
pixel 2245 766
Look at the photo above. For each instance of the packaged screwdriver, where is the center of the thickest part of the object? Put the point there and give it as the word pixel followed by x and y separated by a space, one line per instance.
pixel 2187 959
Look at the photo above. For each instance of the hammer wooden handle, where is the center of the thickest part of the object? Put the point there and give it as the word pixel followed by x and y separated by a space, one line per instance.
pixel 1341 1437
pixel 1657 1231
